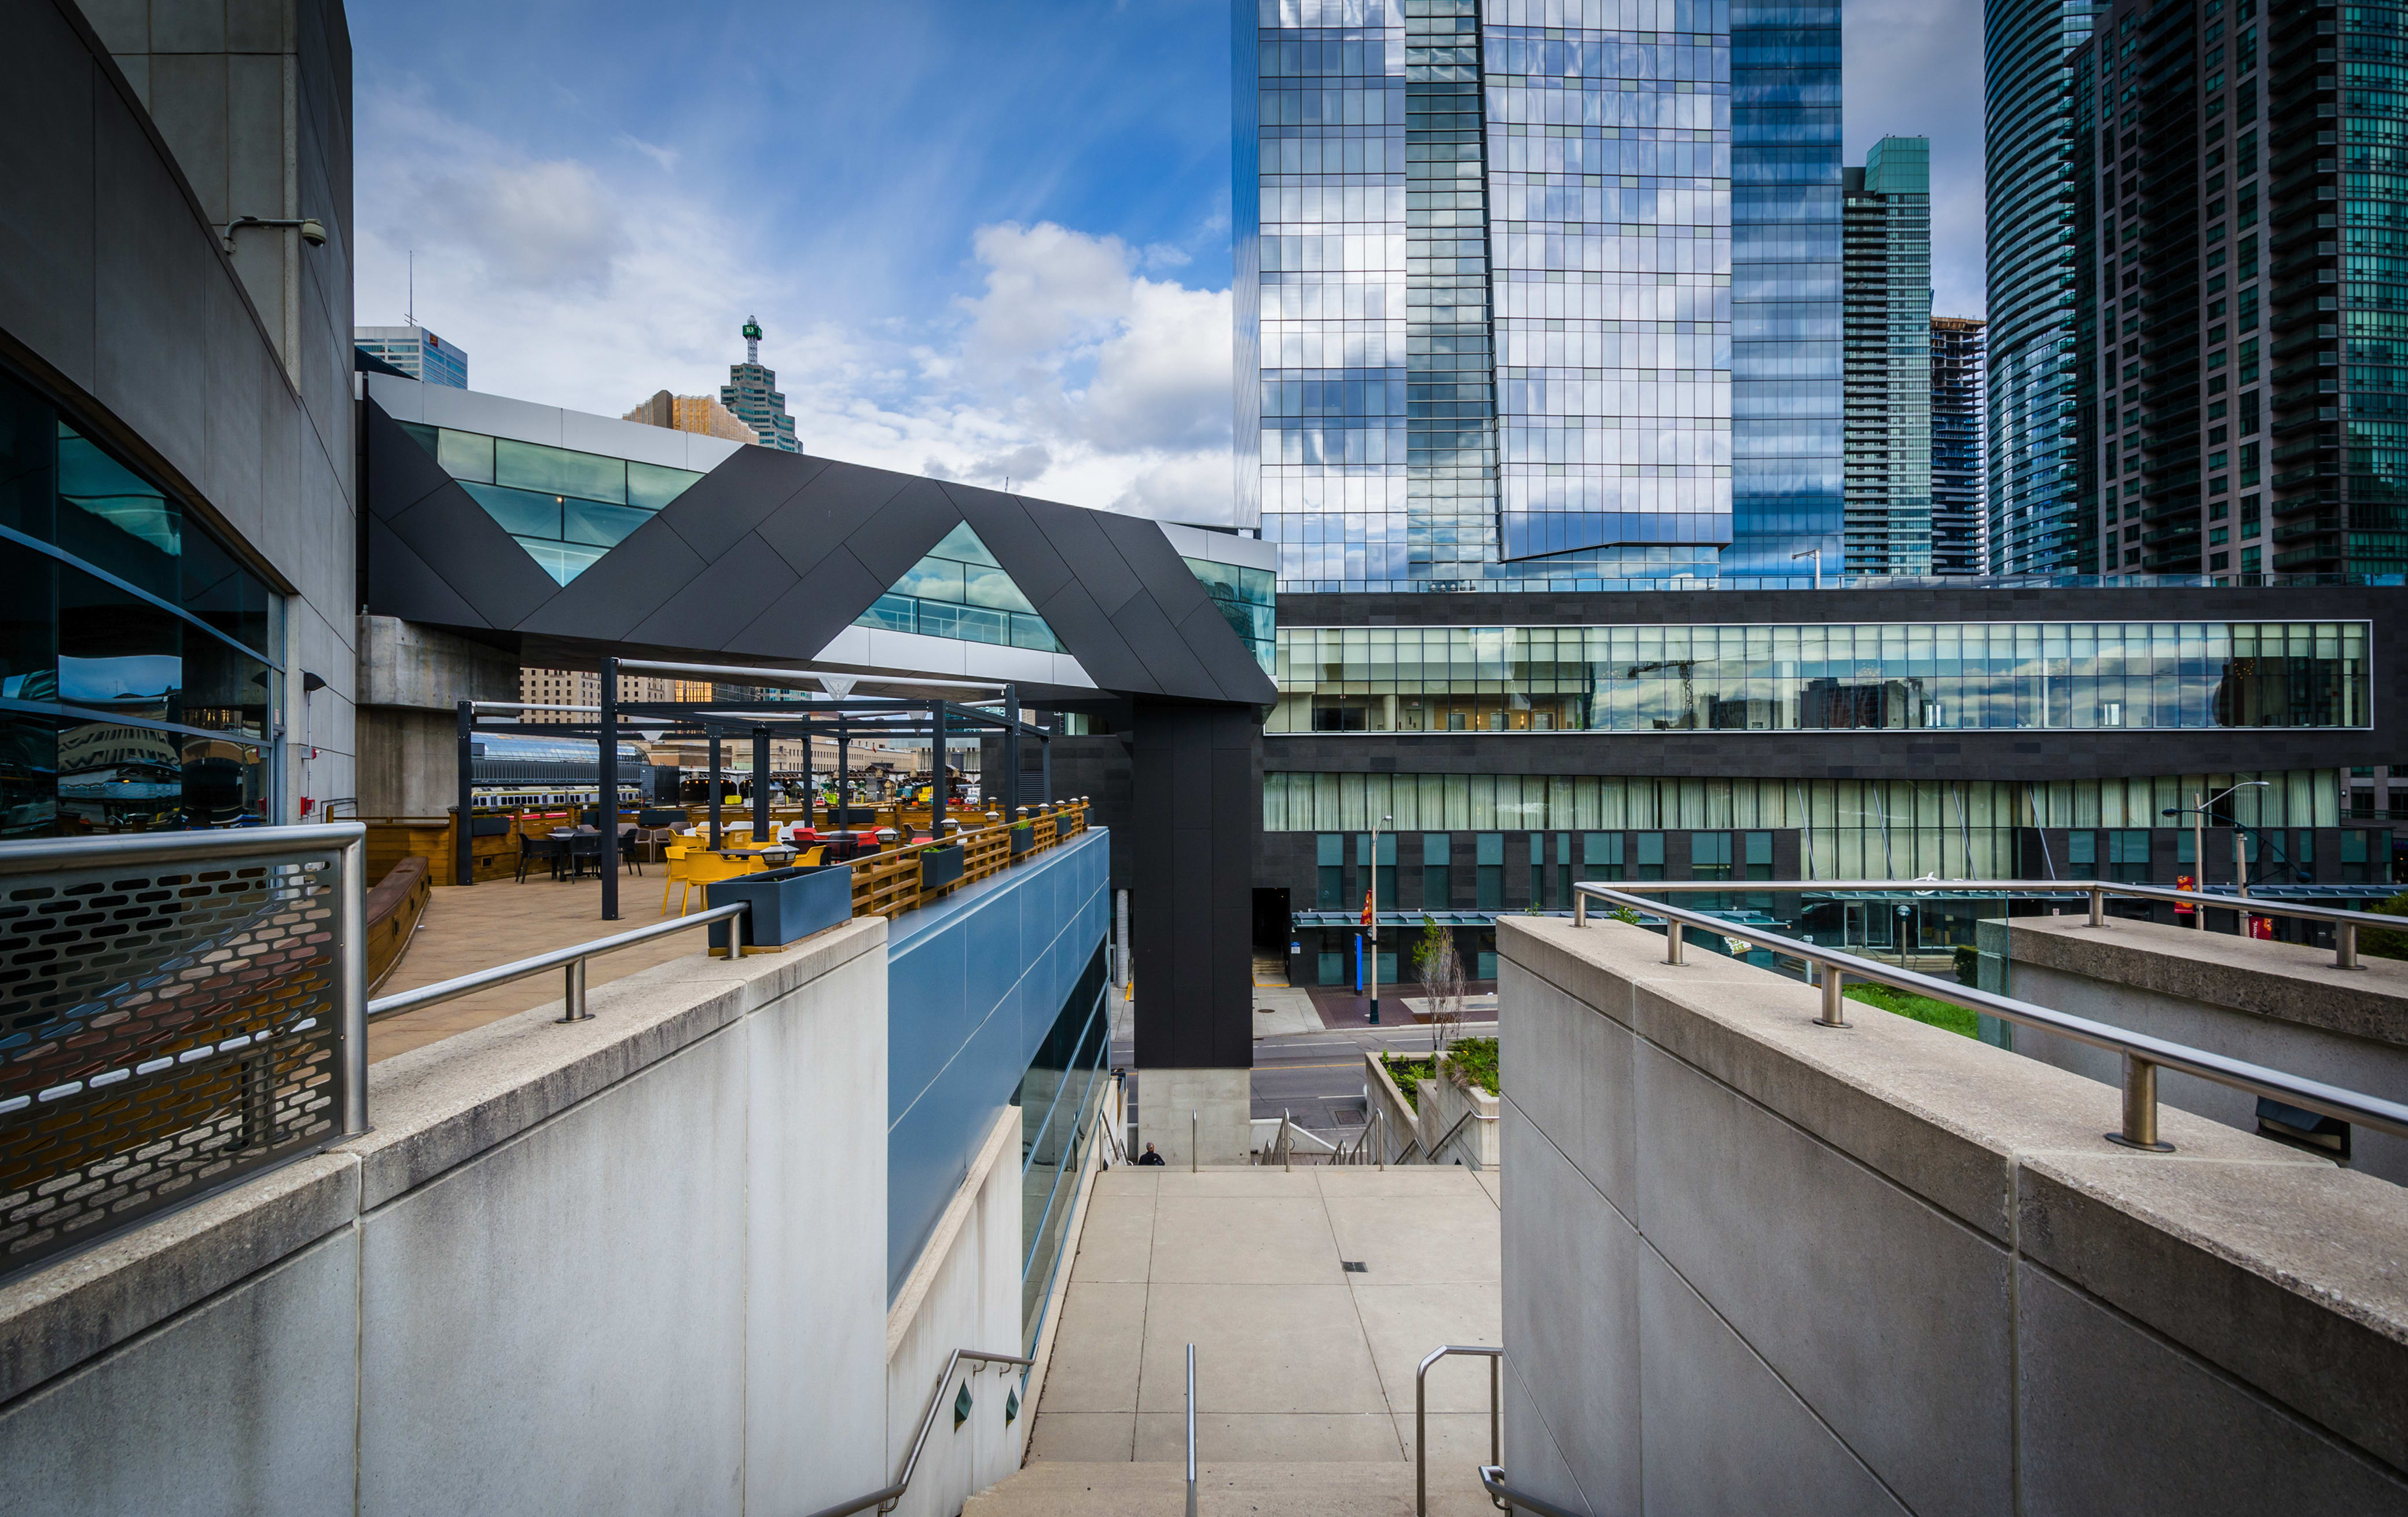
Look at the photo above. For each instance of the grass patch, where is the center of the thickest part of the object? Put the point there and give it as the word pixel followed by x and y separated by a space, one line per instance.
pixel 1923 1009
pixel 1475 1060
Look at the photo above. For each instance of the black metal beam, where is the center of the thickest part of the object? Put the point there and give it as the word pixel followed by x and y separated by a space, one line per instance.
pixel 607 816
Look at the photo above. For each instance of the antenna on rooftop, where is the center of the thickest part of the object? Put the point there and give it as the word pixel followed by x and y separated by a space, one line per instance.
pixel 752 340
pixel 410 312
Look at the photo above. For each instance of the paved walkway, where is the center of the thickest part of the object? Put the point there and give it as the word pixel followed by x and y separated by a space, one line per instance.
pixel 476 927
pixel 1298 1358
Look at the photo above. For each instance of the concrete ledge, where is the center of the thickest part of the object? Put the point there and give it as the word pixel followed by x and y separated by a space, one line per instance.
pixel 2285 981
pixel 1806 1186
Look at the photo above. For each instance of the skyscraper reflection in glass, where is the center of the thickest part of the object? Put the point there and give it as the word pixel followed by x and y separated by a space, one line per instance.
pixel 1487 290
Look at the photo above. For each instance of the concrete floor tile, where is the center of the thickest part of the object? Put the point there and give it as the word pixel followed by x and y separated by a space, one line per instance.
pixel 1404 1322
pixel 1258 1349
pixel 1116 1242
pixel 1458 1447
pixel 1096 1350
pixel 1083 1435
pixel 1242 1181
pixel 1398 1179
pixel 1419 1241
pixel 1126 1180
pixel 1307 1438
pixel 1243 1240
pixel 1493 1181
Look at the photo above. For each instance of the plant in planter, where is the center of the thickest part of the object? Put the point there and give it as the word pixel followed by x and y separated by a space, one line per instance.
pixel 1471 1064
pixel 1441 974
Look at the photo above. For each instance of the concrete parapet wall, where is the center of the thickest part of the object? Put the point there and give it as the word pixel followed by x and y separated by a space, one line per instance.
pixel 2281 1005
pixel 1755 1265
pixel 634 1263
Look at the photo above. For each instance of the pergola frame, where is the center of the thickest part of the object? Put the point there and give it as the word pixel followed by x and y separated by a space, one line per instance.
pixel 834 715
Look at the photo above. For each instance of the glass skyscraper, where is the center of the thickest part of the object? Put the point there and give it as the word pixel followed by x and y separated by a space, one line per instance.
pixel 1537 293
pixel 2035 526
pixel 1888 236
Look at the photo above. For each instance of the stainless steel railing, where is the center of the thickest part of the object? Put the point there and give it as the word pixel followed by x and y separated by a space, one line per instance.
pixel 571 961
pixel 886 1497
pixel 1421 1415
pixel 1191 1430
pixel 2142 1056
pixel 2343 923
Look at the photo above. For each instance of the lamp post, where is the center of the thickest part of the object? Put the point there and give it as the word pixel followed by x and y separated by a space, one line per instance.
pixel 2199 841
pixel 1815 554
pixel 1373 917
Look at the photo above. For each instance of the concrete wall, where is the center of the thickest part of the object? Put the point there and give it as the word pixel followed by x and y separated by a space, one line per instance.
pixel 2280 1005
pixel 410 681
pixel 634 1263
pixel 228 378
pixel 1753 1264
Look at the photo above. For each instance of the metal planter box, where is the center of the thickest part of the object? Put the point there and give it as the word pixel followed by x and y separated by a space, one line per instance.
pixel 940 866
pixel 788 905
pixel 1024 838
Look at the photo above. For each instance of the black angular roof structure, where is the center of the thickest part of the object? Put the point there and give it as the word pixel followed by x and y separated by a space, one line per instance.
pixel 770 555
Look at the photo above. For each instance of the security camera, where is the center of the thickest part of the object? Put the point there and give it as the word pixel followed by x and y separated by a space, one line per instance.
pixel 313 232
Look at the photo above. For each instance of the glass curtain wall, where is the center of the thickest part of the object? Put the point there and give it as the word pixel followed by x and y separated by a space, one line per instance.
pixel 1058 1099
pixel 2027 49
pixel 1823 677
pixel 566 508
pixel 1851 829
pixel 138 685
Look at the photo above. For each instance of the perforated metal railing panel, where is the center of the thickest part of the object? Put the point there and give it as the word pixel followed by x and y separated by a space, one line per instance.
pixel 166 1029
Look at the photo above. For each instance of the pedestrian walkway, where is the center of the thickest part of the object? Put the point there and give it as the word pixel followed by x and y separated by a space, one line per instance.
pixel 1310 1297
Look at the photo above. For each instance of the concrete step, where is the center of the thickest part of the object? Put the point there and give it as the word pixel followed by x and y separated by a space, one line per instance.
pixel 1270 969
pixel 1068 1488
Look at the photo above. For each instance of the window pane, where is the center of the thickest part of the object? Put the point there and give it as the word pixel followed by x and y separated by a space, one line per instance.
pixel 226 689
pixel 933 579
pixel 28 447
pixel 563 561
pixel 895 613
pixel 531 466
pixel 28 649
pixel 466 455
pixel 110 518
pixel 601 525
pixel 651 487
pixel 222 592
pixel 520 513
pixel 117 652
pixel 29 762
pixel 963 544
pixel 985 586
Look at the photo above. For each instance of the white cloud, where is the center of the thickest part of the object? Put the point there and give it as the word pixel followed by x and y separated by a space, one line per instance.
pixel 592 284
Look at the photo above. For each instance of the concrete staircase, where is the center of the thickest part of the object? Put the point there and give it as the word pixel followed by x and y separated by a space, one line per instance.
pixel 1270 968
pixel 1063 1488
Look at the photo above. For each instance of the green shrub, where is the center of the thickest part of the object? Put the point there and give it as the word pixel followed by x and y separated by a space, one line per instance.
pixel 2384 942
pixel 1968 966
pixel 1922 1009
pixel 1473 1061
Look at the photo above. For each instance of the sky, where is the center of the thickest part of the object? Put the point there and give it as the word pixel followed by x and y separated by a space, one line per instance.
pixel 986 241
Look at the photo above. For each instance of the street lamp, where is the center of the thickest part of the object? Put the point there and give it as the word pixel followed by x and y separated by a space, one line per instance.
pixel 2198 810
pixel 1815 554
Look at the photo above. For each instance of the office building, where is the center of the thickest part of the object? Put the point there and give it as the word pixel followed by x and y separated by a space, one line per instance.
pixel 753 396
pixel 2249 413
pixel 692 413
pixel 2035 526
pixel 415 351
pixel 1489 262
pixel 582 687
pixel 1957 419
pixel 1887 238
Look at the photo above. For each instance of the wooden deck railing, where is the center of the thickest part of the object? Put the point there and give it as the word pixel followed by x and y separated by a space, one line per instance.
pixel 888 884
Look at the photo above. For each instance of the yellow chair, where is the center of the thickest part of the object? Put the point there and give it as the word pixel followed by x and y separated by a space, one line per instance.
pixel 676 855
pixel 703 867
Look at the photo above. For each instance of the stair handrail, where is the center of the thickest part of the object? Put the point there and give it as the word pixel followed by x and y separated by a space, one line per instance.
pixel 1191 1430
pixel 885 1497
pixel 1421 1417
pixel 1505 1497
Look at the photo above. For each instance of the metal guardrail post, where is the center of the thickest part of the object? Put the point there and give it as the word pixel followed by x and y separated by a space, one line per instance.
pixel 2098 907
pixel 1580 909
pixel 1421 1415
pixel 351 881
pixel 1287 1145
pixel 1834 998
pixel 1191 1142
pixel 2344 945
pixel 2140 1107
pixel 1191 1430
pixel 573 1008
pixel 1672 943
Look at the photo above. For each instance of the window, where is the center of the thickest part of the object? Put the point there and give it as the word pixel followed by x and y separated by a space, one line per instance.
pixel 1330 892
pixel 1650 859
pixel 1601 855
pixel 565 508
pixel 959 591
pixel 1438 888
pixel 1709 856
pixel 2128 855
pixel 1759 855
pixel 1489 853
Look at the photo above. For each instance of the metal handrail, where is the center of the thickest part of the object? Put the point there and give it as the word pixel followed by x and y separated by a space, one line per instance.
pixel 1421 1415
pixel 1191 1430
pixel 350 843
pixel 2143 1055
pixel 885 1497
pixel 1504 1498
pixel 572 959
pixel 2345 923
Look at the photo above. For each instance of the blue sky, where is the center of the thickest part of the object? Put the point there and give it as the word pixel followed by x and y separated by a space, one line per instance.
pixel 988 241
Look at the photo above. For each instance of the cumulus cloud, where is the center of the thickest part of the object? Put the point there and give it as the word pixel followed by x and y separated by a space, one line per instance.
pixel 1064 367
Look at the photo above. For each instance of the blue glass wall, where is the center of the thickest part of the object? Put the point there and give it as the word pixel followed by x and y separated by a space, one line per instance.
pixel 1492 259
pixel 1787 486
pixel 974 986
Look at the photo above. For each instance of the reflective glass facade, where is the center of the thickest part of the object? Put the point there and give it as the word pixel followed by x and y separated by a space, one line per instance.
pixel 566 508
pixel 1488 269
pixel 959 591
pixel 1889 309
pixel 1247 599
pixel 2035 527
pixel 1878 829
pixel 1823 677
pixel 1957 417
pixel 1060 1098
pixel 139 683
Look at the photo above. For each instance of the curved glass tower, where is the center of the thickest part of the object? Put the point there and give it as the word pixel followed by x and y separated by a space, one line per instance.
pixel 2027 50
